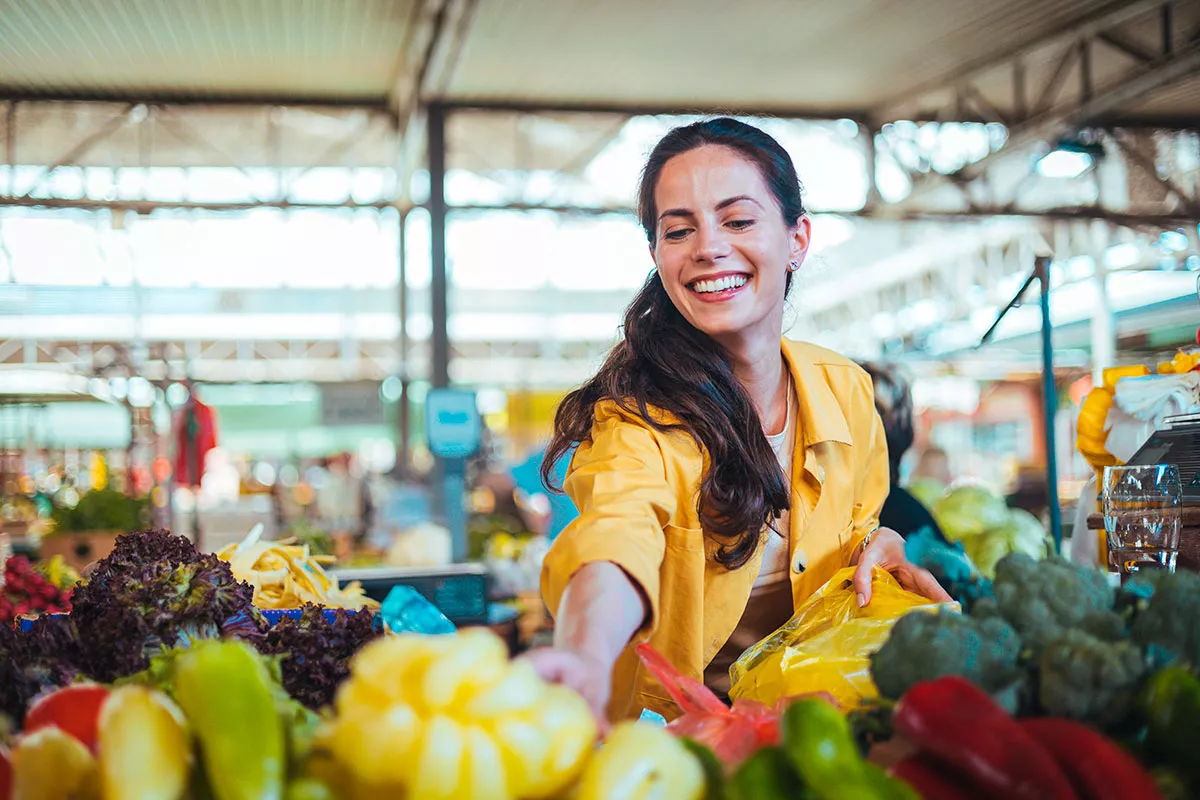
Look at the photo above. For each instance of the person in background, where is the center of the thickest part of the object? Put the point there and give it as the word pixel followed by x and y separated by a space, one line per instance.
pixel 933 465
pixel 901 511
pixel 723 474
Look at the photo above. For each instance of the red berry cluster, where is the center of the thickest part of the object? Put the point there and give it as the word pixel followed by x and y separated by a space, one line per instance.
pixel 26 591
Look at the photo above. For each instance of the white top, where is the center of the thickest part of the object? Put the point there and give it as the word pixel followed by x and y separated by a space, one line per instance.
pixel 770 603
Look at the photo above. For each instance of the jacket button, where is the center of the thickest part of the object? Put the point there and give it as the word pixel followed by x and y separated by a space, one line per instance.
pixel 799 561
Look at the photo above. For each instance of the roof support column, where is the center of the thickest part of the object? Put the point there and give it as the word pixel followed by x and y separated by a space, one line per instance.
pixel 439 337
pixel 1104 323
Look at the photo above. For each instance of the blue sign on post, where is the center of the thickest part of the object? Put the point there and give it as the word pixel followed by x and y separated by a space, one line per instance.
pixel 455 431
pixel 452 422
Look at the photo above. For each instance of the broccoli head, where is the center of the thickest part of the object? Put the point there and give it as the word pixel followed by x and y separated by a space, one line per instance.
pixel 925 645
pixel 1168 623
pixel 1089 680
pixel 1041 599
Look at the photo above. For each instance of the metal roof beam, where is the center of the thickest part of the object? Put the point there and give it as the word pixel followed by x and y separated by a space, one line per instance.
pixel 1046 124
pixel 649 109
pixel 1108 16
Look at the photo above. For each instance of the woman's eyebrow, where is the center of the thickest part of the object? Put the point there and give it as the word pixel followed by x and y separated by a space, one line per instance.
pixel 683 212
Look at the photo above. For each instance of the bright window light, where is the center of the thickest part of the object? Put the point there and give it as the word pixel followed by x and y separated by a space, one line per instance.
pixel 1063 164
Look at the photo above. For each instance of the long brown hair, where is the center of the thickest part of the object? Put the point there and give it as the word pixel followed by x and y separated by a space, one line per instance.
pixel 666 363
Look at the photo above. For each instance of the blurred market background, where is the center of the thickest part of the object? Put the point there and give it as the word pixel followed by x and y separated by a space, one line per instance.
pixel 250 251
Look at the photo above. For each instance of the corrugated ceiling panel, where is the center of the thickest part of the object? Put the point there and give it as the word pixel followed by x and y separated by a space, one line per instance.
pixel 319 49
pixel 849 54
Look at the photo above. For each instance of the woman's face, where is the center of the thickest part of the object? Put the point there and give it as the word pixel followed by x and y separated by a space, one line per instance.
pixel 721 246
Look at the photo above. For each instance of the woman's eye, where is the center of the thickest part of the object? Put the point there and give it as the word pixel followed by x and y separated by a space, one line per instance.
pixel 676 234
pixel 740 224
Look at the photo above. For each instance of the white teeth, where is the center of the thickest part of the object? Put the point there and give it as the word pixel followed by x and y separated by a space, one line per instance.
pixel 719 285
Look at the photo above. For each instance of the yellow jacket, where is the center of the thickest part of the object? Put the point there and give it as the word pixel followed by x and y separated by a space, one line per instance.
pixel 636 491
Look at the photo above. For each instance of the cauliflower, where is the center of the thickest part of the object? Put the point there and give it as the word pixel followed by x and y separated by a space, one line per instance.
pixel 1041 599
pixel 924 645
pixel 1086 679
pixel 1167 623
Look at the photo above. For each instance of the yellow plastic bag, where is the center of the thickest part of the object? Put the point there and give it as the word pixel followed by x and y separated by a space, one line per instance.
pixel 825 646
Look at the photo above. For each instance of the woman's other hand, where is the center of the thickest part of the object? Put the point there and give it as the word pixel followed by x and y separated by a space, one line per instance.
pixel 585 674
pixel 886 549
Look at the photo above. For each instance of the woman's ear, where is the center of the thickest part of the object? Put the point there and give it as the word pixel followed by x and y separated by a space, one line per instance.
pixel 801 238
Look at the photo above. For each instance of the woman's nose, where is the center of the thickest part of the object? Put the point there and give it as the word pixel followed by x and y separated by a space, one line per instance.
pixel 711 243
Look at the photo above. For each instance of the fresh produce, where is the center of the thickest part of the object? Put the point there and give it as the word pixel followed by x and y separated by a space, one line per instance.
pixel 153 591
pixel 101 510
pixel 1042 599
pixel 930 779
pixel 46 657
pixel 1169 625
pixel 927 491
pixel 987 528
pixel 766 775
pixel 1084 678
pixel 968 511
pixel 146 750
pixel 286 575
pixel 26 590
pixel 315 652
pixel 1097 767
pixel 961 726
pixel 1021 532
pixel 450 716
pixel 58 572
pixel 1170 704
pixel 641 761
pixel 818 742
pixel 985 651
pixel 53 765
pixel 74 710
pixel 226 693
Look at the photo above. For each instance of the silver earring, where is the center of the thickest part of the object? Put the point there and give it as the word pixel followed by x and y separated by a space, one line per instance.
pixel 793 266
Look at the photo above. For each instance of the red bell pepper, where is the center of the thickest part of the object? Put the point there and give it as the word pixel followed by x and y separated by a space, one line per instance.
pixel 6 774
pixel 931 779
pixel 953 720
pixel 74 709
pixel 1096 765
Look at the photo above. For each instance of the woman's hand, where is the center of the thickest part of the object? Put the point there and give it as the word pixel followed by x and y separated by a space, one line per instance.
pixel 587 675
pixel 887 550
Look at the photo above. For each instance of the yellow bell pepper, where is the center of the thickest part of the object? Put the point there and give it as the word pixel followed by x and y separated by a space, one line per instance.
pixel 642 762
pixel 145 750
pixel 51 765
pixel 450 716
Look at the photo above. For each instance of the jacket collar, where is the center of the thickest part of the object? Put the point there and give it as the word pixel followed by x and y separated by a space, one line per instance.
pixel 821 416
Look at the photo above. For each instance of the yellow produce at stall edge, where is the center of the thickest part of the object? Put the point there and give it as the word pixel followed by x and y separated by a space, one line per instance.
pixel 639 761
pixel 450 716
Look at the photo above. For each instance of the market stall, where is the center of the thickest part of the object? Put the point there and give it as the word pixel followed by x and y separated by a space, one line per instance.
pixel 171 678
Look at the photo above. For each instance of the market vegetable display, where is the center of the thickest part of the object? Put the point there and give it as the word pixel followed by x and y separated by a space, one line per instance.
pixel 1091 662
pixel 26 589
pixel 1050 640
pixel 221 732
pixel 155 592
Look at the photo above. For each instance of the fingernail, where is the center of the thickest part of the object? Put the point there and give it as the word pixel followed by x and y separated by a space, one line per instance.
pixel 862 600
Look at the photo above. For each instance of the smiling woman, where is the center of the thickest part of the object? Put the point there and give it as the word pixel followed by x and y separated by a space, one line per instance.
pixel 722 475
